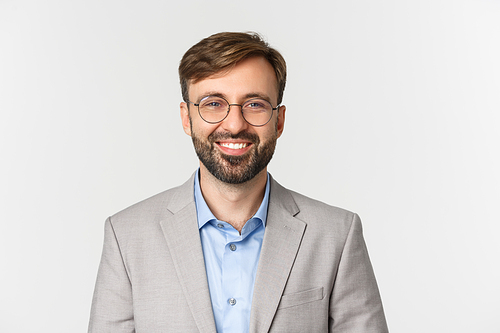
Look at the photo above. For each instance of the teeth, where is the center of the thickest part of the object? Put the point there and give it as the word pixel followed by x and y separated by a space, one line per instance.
pixel 234 145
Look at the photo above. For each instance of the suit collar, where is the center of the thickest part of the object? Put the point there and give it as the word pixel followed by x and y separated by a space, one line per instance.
pixel 181 233
pixel 282 198
pixel 280 246
pixel 183 196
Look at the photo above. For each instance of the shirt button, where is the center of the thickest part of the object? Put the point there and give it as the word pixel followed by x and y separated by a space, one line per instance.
pixel 232 247
pixel 220 225
pixel 231 301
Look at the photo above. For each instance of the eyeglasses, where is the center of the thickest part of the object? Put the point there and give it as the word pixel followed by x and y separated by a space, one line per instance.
pixel 214 109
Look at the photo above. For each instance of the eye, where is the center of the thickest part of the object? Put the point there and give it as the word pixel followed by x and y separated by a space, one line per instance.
pixel 213 103
pixel 256 104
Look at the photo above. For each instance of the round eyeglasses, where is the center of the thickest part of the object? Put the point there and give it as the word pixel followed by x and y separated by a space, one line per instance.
pixel 214 109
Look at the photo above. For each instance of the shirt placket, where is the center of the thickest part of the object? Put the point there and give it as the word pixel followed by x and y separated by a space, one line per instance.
pixel 234 301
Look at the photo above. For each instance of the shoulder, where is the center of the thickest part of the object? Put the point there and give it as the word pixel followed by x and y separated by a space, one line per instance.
pixel 158 206
pixel 300 204
pixel 312 207
pixel 316 214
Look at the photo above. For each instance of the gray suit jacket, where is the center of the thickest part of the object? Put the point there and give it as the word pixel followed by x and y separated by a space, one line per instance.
pixel 314 273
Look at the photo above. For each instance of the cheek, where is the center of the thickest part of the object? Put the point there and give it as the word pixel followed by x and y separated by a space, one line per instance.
pixel 202 130
pixel 269 132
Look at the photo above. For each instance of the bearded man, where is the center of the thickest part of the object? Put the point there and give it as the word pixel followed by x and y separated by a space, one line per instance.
pixel 231 250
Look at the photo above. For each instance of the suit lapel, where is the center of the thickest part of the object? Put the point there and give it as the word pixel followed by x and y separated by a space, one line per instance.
pixel 280 246
pixel 182 235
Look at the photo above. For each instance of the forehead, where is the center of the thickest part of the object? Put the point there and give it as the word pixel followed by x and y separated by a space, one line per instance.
pixel 250 76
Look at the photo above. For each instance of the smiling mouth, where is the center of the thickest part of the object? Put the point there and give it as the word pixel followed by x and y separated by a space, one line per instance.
pixel 231 145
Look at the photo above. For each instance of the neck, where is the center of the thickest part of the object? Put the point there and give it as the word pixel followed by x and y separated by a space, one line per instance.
pixel 233 203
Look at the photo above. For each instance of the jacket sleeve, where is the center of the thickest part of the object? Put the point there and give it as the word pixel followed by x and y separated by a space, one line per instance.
pixel 112 308
pixel 355 304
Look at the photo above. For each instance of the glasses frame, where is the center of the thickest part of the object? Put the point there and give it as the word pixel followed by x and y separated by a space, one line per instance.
pixel 234 104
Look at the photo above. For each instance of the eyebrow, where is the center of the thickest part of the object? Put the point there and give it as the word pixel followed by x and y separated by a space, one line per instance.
pixel 246 97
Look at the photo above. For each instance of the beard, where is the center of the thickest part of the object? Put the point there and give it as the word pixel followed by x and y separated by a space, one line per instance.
pixel 233 169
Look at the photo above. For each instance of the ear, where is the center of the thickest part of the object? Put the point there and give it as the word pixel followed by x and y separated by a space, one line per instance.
pixel 185 118
pixel 281 120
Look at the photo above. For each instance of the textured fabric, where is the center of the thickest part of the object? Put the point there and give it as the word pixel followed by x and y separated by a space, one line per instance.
pixel 231 262
pixel 314 273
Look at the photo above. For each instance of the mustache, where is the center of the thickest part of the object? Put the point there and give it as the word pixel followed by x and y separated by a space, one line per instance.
pixel 217 136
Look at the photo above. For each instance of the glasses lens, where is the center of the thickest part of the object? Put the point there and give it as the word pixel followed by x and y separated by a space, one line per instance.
pixel 213 109
pixel 257 111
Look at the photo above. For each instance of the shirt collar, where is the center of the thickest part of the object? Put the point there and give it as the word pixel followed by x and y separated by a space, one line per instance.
pixel 205 215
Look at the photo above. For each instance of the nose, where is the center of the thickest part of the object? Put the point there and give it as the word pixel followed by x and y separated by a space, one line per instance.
pixel 234 122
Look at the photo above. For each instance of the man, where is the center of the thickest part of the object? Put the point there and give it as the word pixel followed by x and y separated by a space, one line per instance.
pixel 231 250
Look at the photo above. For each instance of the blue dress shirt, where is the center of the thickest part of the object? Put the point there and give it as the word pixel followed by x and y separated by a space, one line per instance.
pixel 231 262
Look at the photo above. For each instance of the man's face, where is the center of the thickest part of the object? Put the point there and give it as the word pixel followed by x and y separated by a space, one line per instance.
pixel 234 151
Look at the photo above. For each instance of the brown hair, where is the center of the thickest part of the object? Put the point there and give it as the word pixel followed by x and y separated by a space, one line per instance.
pixel 221 52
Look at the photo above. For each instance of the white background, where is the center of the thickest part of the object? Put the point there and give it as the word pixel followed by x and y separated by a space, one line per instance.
pixel 392 112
